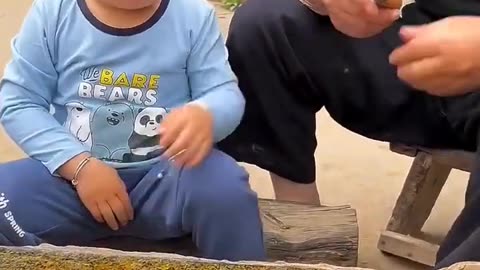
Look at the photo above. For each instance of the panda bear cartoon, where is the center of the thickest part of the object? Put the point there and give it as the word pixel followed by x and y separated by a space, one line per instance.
pixel 144 142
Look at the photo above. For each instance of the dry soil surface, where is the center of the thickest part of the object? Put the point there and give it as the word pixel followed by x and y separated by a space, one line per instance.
pixel 351 169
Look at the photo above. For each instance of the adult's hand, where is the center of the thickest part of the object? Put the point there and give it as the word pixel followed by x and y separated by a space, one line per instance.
pixel 440 58
pixel 359 18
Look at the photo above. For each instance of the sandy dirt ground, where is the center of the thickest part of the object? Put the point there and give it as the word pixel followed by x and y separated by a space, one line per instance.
pixel 351 169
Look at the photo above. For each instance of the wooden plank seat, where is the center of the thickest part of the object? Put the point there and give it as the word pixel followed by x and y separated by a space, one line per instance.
pixel 427 176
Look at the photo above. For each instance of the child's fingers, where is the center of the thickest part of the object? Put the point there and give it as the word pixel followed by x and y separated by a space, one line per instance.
pixel 179 146
pixel 182 158
pixel 95 212
pixel 170 129
pixel 108 215
pixel 168 137
pixel 127 204
pixel 191 151
pixel 118 210
pixel 200 154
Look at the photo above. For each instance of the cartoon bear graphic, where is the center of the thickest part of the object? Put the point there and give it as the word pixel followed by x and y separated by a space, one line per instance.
pixel 78 122
pixel 111 126
pixel 144 142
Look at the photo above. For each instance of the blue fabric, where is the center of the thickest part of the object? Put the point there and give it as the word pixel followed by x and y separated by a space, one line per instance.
pixel 74 85
pixel 212 202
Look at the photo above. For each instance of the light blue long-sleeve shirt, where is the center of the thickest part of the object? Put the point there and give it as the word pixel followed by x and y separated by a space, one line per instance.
pixel 77 85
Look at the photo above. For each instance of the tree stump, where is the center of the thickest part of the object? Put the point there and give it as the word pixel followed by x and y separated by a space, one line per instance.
pixel 294 233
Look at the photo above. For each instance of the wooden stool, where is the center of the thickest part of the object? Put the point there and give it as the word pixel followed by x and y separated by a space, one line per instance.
pixel 425 180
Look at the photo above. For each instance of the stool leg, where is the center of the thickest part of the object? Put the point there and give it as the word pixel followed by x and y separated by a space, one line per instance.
pixel 422 187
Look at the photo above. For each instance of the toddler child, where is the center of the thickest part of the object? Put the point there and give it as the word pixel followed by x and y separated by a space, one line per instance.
pixel 118 104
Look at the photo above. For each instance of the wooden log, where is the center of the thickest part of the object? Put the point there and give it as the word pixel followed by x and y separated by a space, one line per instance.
pixel 77 258
pixel 293 233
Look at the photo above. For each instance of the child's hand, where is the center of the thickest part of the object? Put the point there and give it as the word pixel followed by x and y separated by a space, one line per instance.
pixel 187 135
pixel 104 194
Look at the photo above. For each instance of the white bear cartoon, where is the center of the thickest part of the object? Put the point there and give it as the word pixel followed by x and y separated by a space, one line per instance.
pixel 78 122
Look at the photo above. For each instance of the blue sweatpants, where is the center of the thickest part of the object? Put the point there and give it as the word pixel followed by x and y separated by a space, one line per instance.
pixel 212 202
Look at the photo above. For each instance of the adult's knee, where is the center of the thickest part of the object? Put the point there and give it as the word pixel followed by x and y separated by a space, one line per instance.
pixel 218 187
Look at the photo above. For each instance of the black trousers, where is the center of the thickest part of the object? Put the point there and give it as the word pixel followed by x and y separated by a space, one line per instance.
pixel 291 63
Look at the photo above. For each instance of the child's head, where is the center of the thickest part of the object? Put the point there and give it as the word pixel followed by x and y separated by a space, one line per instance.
pixel 129 4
